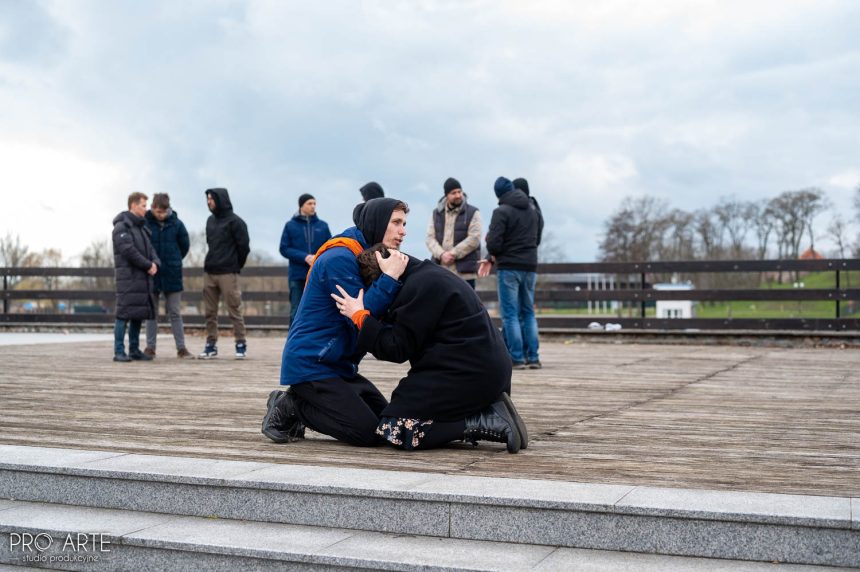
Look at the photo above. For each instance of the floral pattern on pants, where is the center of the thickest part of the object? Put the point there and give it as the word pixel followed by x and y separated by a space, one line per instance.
pixel 403 433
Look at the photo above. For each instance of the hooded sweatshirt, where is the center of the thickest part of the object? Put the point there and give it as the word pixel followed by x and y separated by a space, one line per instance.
pixel 226 236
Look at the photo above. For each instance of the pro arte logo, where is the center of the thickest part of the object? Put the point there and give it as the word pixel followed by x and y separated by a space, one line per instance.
pixel 73 547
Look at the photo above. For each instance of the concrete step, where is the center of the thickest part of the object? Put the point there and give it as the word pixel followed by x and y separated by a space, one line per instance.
pixel 709 524
pixel 111 539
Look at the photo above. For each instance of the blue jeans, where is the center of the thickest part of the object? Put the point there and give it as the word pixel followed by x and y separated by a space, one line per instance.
pixel 516 303
pixel 296 289
pixel 133 335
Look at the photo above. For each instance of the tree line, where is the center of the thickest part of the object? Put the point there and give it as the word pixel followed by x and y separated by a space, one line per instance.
pixel 646 228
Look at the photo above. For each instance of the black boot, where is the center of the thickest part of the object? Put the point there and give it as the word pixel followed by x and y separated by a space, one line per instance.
pixel 281 424
pixel 521 425
pixel 495 423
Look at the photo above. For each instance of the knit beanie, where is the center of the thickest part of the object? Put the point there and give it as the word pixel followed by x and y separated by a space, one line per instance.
pixel 522 185
pixel 371 190
pixel 451 184
pixel 305 198
pixel 502 186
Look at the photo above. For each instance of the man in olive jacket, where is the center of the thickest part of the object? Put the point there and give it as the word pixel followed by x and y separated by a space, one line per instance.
pixel 229 246
pixel 135 263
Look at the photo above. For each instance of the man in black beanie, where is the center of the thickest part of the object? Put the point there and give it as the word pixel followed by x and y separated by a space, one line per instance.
pixel 320 359
pixel 454 233
pixel 303 234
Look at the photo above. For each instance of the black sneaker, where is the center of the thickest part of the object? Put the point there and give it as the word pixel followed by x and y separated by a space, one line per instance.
pixel 280 423
pixel 518 365
pixel 121 356
pixel 241 350
pixel 534 364
pixel 138 355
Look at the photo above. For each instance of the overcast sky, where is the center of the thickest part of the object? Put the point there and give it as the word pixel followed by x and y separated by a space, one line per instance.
pixel 591 101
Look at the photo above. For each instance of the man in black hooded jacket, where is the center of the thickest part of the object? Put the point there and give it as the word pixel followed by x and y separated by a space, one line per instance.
pixel 229 246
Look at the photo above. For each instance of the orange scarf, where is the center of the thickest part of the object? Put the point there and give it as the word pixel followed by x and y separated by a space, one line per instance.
pixel 349 243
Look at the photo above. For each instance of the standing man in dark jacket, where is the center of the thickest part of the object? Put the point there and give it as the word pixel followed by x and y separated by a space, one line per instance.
pixel 135 263
pixel 229 246
pixel 170 240
pixel 303 235
pixel 454 233
pixel 512 243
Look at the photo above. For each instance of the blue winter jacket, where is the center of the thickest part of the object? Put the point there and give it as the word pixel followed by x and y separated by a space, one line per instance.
pixel 170 240
pixel 322 343
pixel 302 236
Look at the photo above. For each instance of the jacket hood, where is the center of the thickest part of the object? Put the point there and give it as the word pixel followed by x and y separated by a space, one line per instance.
pixel 129 218
pixel 443 203
pixel 222 200
pixel 354 233
pixel 373 218
pixel 303 219
pixel 516 199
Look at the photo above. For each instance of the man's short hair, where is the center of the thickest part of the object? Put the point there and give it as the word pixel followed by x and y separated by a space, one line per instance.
pixel 135 198
pixel 368 266
pixel 160 201
pixel 400 206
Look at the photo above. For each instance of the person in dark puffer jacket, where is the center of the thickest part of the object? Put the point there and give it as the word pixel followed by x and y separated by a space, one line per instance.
pixel 170 240
pixel 229 246
pixel 512 243
pixel 303 234
pixel 135 263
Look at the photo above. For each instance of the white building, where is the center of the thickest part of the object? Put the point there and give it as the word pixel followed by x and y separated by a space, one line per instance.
pixel 674 308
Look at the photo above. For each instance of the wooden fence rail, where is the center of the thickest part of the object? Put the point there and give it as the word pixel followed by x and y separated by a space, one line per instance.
pixel 631 285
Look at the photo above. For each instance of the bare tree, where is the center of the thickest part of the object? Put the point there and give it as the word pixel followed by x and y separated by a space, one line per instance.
pixel 709 234
pixel 13 254
pixel 634 231
pixel 197 253
pixel 98 254
pixel 678 241
pixel 550 250
pixel 763 222
pixel 838 231
pixel 735 218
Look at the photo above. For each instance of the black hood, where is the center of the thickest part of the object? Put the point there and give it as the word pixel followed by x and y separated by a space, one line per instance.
pixel 371 190
pixel 222 201
pixel 372 218
pixel 516 199
pixel 128 217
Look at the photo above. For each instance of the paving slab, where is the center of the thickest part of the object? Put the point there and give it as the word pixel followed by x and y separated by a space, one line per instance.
pixel 57 517
pixel 50 456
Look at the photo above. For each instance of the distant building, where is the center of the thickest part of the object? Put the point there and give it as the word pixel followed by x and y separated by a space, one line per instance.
pixel 810 254
pixel 674 309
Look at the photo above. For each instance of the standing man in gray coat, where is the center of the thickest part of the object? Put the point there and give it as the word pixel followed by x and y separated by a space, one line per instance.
pixel 135 264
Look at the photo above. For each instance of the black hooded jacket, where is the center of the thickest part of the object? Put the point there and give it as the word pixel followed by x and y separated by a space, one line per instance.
pixel 459 362
pixel 372 218
pixel 226 236
pixel 133 256
pixel 513 235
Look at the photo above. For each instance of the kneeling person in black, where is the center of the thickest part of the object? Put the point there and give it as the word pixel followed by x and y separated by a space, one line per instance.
pixel 460 377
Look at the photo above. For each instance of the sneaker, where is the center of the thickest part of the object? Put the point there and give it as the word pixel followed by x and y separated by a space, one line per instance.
pixel 121 356
pixel 518 365
pixel 241 350
pixel 281 424
pixel 534 364
pixel 209 352
pixel 138 355
pixel 184 354
pixel 149 351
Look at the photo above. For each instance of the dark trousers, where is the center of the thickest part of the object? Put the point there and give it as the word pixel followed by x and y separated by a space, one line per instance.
pixel 346 409
pixel 297 287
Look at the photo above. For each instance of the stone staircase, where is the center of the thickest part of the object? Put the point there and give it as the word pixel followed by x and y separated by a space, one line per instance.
pixel 172 513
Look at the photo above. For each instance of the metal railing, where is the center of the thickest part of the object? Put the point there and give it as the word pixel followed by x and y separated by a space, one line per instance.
pixel 634 294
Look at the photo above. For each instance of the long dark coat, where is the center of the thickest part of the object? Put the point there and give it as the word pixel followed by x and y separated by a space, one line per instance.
pixel 459 361
pixel 171 243
pixel 133 255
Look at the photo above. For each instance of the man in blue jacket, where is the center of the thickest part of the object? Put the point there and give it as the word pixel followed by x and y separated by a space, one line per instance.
pixel 170 240
pixel 303 235
pixel 321 356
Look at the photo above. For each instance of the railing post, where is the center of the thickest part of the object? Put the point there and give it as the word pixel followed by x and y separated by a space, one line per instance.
pixel 642 301
pixel 837 294
pixel 5 299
